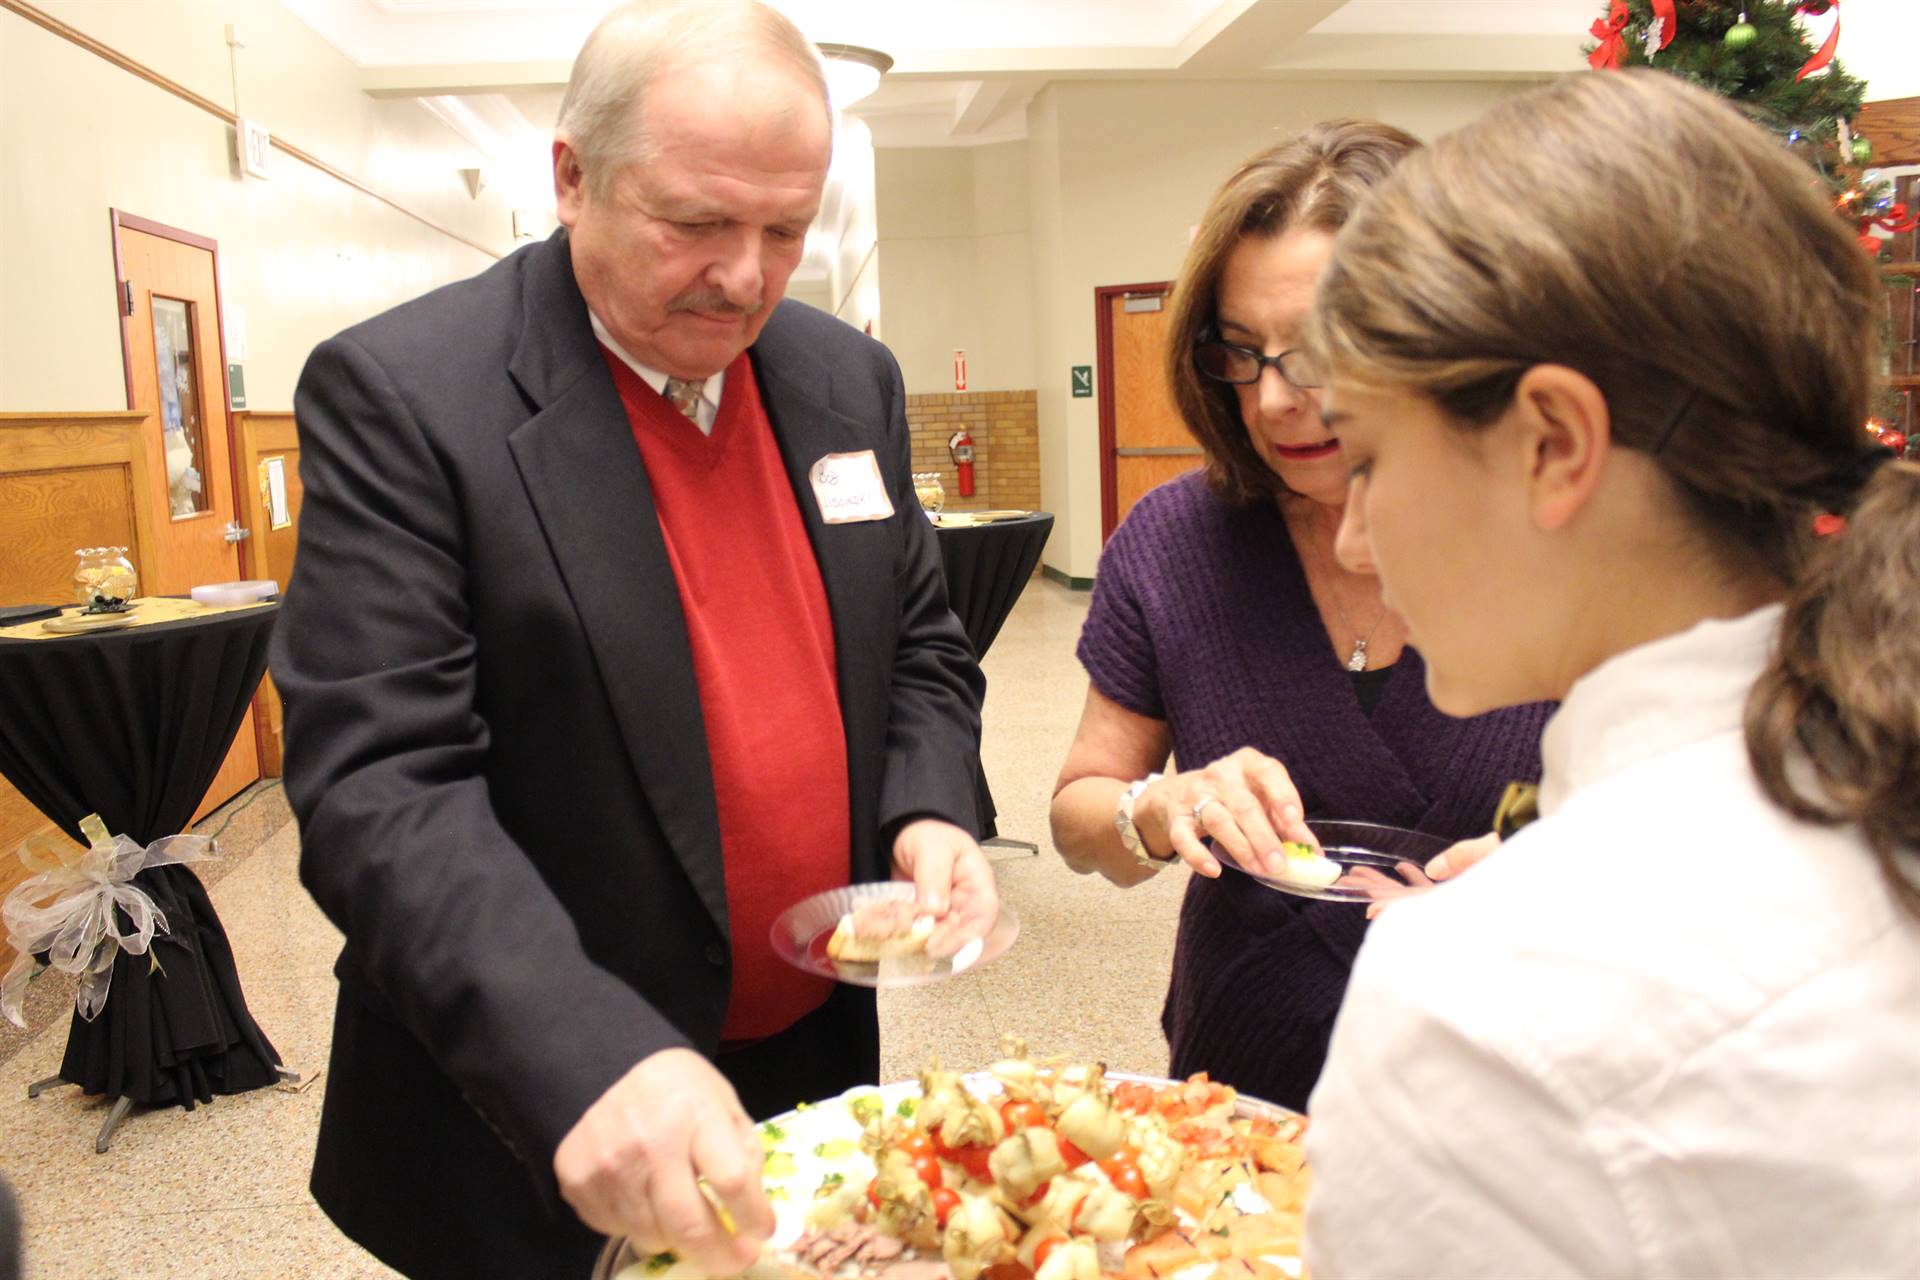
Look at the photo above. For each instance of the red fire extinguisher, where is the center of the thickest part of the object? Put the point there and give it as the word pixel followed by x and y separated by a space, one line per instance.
pixel 960 445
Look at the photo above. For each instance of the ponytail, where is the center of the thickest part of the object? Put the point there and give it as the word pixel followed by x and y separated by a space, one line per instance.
pixel 1833 724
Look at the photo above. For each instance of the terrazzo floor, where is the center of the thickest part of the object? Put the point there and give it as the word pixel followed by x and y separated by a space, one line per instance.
pixel 222 1191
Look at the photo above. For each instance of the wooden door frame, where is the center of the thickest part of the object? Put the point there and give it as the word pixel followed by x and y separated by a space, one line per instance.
pixel 1103 296
pixel 118 219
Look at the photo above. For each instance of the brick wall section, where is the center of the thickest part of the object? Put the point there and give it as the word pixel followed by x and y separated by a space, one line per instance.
pixel 1005 426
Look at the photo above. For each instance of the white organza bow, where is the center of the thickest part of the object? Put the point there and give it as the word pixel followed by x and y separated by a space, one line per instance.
pixel 67 911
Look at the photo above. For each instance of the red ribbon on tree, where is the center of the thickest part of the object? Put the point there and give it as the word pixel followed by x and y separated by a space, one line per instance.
pixel 1895 221
pixel 1824 54
pixel 1664 15
pixel 1613 44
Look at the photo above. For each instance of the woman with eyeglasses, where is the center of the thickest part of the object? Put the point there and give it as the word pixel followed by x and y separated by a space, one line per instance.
pixel 1224 632
pixel 1603 453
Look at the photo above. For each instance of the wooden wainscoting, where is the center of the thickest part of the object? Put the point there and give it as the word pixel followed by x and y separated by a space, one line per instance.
pixel 67 480
pixel 264 441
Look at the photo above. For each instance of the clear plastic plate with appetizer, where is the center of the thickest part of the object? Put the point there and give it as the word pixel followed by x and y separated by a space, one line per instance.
pixel 1328 874
pixel 871 935
pixel 1034 1169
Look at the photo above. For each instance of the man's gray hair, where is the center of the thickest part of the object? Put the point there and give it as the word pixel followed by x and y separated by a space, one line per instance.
pixel 639 41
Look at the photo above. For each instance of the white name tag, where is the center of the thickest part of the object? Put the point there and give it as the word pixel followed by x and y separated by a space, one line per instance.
pixel 849 489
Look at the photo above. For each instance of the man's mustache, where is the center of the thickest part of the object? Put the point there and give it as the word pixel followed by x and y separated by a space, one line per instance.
pixel 713 304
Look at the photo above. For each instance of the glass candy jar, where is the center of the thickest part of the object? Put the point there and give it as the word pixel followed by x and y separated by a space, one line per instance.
pixel 931 493
pixel 104 580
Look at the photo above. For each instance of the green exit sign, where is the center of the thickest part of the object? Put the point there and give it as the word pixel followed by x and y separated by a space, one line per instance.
pixel 1082 380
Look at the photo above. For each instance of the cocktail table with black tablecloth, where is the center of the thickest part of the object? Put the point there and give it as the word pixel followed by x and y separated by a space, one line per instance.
pixel 987 566
pixel 133 725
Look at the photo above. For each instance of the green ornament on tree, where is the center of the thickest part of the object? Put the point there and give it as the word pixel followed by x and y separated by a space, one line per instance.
pixel 1741 34
pixel 1862 151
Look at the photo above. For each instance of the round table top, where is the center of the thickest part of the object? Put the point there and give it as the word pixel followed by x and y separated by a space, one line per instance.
pixel 154 617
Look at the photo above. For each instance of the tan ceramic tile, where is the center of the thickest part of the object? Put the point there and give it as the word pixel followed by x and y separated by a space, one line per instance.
pixel 287 1242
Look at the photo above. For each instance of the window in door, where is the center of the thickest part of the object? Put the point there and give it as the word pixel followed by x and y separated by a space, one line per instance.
pixel 176 367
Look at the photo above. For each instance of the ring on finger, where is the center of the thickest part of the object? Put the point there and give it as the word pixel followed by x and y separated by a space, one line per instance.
pixel 1198 821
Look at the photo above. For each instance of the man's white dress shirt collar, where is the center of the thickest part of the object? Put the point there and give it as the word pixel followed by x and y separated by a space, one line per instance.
pixel 709 410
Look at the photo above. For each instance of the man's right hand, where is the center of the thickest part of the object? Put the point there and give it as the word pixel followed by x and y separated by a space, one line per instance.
pixel 629 1166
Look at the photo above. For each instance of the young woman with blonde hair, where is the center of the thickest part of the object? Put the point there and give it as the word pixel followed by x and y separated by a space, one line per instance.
pixel 1600 363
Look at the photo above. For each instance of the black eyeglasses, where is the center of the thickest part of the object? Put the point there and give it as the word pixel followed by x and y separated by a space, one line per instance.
pixel 1224 362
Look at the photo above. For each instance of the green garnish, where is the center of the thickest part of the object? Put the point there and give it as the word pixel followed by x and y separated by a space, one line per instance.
pixel 778 1164
pixel 660 1262
pixel 829 1184
pixel 1294 849
pixel 905 1109
pixel 866 1107
pixel 772 1130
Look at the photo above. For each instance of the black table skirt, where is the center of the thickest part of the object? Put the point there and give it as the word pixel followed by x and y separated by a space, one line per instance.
pixel 987 567
pixel 133 725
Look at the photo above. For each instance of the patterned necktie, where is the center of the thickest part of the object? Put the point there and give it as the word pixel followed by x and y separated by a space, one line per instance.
pixel 685 396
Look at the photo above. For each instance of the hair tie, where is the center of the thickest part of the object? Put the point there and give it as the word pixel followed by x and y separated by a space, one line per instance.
pixel 1837 492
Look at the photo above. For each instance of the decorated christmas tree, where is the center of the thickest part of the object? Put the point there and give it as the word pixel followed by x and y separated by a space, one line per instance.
pixel 1760 54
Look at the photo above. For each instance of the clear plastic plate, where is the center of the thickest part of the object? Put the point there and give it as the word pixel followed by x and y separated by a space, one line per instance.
pixel 800 938
pixel 1353 845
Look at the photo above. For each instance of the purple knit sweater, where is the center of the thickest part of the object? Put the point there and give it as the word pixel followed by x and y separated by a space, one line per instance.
pixel 1201 617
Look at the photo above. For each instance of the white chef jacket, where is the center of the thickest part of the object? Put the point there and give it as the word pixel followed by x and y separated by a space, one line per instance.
pixel 1665 1031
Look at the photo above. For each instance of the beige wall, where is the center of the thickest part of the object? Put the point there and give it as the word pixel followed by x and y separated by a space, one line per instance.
pixel 303 254
pixel 959 268
pixel 1117 173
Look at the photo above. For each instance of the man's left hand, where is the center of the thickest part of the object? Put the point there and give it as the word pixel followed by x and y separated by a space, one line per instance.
pixel 953 880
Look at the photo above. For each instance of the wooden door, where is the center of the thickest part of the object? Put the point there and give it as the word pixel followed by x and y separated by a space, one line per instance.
pixel 269 453
pixel 1143 442
pixel 177 379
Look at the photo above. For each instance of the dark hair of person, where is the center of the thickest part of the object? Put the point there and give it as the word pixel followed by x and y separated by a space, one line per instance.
pixel 1582 224
pixel 1312 181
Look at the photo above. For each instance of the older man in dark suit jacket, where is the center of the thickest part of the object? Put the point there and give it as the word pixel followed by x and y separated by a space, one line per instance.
pixel 615 630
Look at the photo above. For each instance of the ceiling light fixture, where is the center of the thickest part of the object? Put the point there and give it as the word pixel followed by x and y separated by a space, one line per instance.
pixel 853 72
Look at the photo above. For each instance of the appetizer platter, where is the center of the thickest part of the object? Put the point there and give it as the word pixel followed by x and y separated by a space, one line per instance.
pixel 872 936
pixel 1327 875
pixel 1031 1170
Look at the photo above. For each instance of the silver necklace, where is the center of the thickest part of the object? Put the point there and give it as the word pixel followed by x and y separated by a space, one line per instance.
pixel 1357 660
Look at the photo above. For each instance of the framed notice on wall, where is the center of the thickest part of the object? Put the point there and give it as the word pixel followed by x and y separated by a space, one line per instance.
pixel 273 475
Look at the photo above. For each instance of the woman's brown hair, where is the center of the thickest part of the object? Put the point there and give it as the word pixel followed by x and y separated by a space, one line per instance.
pixel 1641 231
pixel 1312 181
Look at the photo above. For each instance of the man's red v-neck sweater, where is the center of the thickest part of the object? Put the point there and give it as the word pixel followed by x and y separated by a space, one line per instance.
pixel 763 654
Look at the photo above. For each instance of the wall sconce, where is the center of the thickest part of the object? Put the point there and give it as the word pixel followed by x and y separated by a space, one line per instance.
pixel 853 72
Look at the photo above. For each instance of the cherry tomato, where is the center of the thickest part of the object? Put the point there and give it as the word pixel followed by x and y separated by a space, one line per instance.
pixel 928 1167
pixel 873 1193
pixel 1023 1115
pixel 1073 1155
pixel 1123 1171
pixel 1131 1095
pixel 973 1158
pixel 1039 1194
pixel 1043 1250
pixel 945 1201
pixel 918 1144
